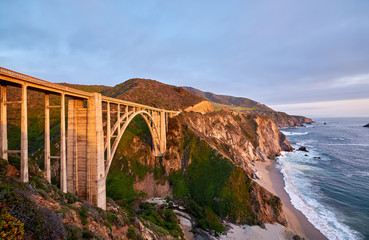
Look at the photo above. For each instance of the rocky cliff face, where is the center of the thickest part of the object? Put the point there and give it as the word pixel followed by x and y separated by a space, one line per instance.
pixel 240 138
pixel 303 119
pixel 197 144
pixel 281 119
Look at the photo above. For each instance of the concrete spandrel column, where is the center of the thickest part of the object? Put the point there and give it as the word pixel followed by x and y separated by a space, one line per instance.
pixel 96 189
pixel 163 137
pixel 71 146
pixel 47 139
pixel 3 125
pixel 24 136
pixel 118 119
pixel 108 132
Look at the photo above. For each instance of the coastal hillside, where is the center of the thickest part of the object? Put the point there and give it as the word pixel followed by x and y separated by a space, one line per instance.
pixel 206 175
pixel 204 171
pixel 248 106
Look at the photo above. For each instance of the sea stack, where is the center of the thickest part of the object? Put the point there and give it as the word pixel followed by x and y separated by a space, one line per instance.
pixel 366 125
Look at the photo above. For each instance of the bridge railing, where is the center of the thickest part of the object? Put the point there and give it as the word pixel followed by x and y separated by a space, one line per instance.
pixel 19 78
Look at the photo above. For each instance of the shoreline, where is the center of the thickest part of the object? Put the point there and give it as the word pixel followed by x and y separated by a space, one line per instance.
pixel 272 179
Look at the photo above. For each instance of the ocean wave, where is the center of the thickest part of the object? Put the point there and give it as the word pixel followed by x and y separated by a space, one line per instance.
pixel 337 138
pixel 305 198
pixel 293 133
pixel 361 173
pixel 347 144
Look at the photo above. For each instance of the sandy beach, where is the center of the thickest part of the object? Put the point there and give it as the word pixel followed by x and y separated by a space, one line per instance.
pixel 272 180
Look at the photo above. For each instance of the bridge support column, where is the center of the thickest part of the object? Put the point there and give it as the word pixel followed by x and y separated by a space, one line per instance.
pixel 96 189
pixel 3 125
pixel 77 148
pixel 47 169
pixel 24 136
pixel 63 150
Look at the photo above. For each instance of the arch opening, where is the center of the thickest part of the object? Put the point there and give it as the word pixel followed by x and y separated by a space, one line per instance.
pixel 132 159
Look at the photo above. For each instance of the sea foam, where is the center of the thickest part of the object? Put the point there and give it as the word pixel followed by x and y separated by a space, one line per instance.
pixel 293 133
pixel 305 197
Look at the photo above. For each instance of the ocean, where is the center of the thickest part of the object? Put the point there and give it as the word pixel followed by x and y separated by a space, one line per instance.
pixel 329 184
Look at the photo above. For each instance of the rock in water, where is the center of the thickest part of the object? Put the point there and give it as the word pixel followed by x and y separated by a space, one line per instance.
pixel 366 125
pixel 302 148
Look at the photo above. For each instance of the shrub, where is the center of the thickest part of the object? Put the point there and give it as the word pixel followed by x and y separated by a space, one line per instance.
pixel 10 227
pixel 134 234
pixel 3 166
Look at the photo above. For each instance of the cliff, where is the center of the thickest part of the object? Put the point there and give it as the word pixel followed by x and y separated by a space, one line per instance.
pixel 216 149
pixel 303 119
pixel 240 138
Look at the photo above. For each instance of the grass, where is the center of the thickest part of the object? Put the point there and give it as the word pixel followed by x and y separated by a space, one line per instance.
pixel 219 106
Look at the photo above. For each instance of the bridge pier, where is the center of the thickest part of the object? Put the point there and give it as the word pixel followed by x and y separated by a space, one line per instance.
pixel 85 159
pixel 3 125
pixel 24 136
pixel 77 148
pixel 47 168
pixel 96 189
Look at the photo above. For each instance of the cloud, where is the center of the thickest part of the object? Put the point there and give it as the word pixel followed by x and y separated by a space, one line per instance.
pixel 276 52
pixel 342 108
pixel 357 80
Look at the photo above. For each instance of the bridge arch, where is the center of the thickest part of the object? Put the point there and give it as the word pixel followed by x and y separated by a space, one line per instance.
pixel 126 119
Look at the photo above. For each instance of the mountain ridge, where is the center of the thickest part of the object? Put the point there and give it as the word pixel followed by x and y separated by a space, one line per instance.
pixel 249 106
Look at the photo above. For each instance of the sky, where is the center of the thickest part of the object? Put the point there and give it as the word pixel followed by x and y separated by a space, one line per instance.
pixel 307 57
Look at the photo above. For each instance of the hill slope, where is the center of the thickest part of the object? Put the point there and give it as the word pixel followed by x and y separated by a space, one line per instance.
pixel 153 93
pixel 248 106
pixel 230 100
pixel 87 88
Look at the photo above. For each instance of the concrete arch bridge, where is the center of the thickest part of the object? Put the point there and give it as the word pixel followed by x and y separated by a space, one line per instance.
pixel 89 134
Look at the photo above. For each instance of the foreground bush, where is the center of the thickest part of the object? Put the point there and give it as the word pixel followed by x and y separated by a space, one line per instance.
pixel 10 227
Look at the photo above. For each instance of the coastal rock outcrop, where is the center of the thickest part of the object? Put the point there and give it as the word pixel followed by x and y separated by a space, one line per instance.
pixel 303 148
pixel 367 125
pixel 201 107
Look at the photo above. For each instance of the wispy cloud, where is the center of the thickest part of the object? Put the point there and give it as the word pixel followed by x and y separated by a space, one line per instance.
pixel 341 108
pixel 356 80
